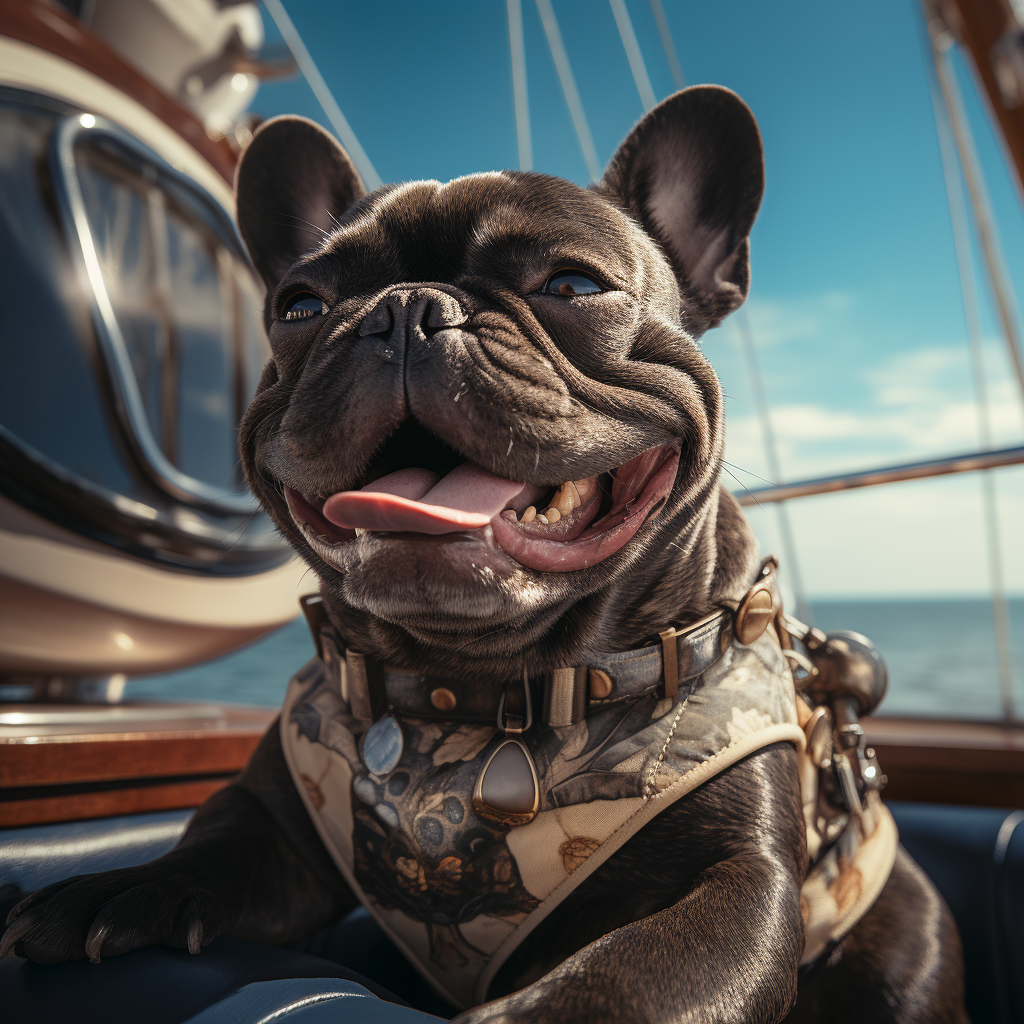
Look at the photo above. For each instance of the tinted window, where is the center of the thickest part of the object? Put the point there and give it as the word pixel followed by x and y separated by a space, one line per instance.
pixel 187 308
pixel 48 381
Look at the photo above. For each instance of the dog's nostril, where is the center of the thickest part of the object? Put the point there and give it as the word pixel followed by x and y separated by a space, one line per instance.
pixel 378 321
pixel 403 310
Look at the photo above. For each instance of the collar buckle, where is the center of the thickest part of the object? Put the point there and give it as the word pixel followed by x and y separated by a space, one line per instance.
pixel 512 723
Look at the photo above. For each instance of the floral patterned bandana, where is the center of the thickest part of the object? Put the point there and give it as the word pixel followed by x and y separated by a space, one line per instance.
pixel 457 892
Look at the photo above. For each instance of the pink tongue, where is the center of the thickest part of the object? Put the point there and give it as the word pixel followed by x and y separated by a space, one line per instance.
pixel 418 501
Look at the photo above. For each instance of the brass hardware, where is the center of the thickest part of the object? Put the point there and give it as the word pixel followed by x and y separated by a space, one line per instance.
pixel 800 665
pixel 847 669
pixel 312 606
pixel 818 731
pixel 512 723
pixel 358 687
pixel 515 811
pixel 443 699
pixel 870 770
pixel 600 684
pixel 754 614
pixel 843 674
pixel 848 783
pixel 335 661
pixel 364 679
pixel 670 660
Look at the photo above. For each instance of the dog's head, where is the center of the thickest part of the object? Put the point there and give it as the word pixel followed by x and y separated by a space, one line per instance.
pixel 452 361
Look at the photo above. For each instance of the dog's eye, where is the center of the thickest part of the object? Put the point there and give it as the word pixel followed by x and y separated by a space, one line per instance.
pixel 568 283
pixel 303 306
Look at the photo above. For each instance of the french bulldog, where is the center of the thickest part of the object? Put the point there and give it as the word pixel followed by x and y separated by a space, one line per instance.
pixel 488 428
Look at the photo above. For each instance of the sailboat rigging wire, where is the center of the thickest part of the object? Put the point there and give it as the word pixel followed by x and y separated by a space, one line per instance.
pixel 633 54
pixel 969 292
pixel 666 42
pixel 792 566
pixel 571 93
pixel 292 39
pixel 987 238
pixel 517 52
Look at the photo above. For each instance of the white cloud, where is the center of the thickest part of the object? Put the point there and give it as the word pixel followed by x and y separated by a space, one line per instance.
pixel 923 538
pixel 916 538
pixel 773 321
pixel 918 406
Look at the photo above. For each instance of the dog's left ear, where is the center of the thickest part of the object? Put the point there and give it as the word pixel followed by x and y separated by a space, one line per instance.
pixel 292 187
pixel 692 173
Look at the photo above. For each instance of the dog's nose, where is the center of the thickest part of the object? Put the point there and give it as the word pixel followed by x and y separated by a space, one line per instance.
pixel 410 314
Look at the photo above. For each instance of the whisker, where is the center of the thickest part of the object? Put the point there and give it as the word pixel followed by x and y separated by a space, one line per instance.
pixel 324 235
pixel 749 473
pixel 744 486
pixel 241 528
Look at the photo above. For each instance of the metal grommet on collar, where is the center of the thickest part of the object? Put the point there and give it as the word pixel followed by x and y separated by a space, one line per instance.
pixel 670 660
pixel 443 699
pixel 601 684
pixel 754 614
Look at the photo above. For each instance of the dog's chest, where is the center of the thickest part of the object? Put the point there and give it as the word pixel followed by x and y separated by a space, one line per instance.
pixel 458 891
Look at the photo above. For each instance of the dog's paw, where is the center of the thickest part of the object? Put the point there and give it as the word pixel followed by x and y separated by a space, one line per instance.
pixel 509 1010
pixel 488 1014
pixel 112 913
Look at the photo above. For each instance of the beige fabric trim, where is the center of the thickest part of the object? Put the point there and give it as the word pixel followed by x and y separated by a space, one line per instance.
pixel 876 854
pixel 650 808
pixel 341 862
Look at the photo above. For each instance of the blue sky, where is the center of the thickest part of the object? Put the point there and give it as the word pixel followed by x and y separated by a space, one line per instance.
pixel 855 306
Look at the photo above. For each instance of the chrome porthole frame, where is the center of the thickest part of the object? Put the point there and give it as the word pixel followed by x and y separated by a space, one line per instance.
pixel 128 403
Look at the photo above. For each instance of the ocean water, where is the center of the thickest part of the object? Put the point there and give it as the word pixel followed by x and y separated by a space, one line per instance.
pixel 941 656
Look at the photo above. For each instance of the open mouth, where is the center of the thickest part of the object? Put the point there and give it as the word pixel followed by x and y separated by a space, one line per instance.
pixel 573 526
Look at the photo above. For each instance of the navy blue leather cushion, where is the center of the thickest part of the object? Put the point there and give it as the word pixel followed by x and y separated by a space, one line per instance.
pixel 36 856
pixel 359 943
pixel 307 1001
pixel 155 986
pixel 975 857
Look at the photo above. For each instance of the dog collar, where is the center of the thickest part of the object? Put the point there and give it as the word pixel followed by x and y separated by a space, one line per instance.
pixel 565 695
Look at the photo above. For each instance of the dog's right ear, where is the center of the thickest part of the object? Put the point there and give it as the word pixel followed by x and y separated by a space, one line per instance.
pixel 692 173
pixel 294 182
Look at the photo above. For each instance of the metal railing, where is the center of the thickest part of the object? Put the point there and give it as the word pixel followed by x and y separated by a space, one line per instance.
pixel 978 461
pixel 970 462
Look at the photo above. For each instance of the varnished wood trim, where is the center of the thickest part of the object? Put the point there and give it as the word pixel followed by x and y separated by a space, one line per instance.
pixel 978 764
pixel 49 28
pixel 111 756
pixel 105 803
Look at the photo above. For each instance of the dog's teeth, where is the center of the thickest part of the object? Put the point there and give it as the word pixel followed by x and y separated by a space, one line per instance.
pixel 552 514
pixel 543 519
pixel 510 515
pixel 566 498
pixel 585 488
pixel 360 532
pixel 529 515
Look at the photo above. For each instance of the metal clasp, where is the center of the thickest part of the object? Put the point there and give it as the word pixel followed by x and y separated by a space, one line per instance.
pixel 516 724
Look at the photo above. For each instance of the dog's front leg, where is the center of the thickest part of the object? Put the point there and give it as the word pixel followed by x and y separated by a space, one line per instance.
pixel 724 948
pixel 237 871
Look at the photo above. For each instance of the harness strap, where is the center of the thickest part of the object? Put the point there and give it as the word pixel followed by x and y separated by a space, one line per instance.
pixel 565 696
